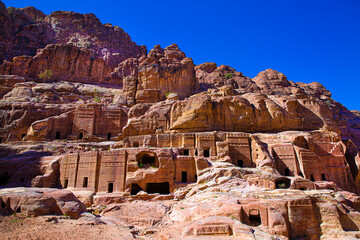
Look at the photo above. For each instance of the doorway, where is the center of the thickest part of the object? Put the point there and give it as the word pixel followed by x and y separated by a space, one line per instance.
pixel 162 188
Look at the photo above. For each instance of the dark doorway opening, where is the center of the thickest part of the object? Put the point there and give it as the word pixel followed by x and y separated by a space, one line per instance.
pixel 323 177
pixel 147 159
pixel 287 172
pixel 18 209
pixel 135 144
pixel 0 140
pixel 282 184
pixel 22 180
pixel 23 135
pixel 57 135
pixel 4 178
pixel 255 219
pixel 240 163
pixel 303 189
pixel 3 205
pixel 109 136
pixel 66 182
pixel 195 177
pixel 312 178
pixel 85 182
pixel 110 187
pixel 81 135
pixel 196 152
pixel 186 152
pixel 206 152
pixel 135 188
pixel 183 176
pixel 162 188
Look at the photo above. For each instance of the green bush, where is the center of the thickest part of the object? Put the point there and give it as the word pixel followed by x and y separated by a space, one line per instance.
pixel 168 93
pixel 46 74
pixel 97 96
pixel 10 10
pixel 228 75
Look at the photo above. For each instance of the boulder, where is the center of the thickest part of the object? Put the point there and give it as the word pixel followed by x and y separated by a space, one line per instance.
pixel 42 201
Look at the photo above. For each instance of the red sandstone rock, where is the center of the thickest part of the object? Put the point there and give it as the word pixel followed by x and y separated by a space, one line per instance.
pixel 28 29
pixel 37 202
pixel 66 62
pixel 161 72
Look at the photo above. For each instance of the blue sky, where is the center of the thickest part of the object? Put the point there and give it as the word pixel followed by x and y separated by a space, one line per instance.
pixel 307 40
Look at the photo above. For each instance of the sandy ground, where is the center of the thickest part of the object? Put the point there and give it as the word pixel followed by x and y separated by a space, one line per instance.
pixel 22 227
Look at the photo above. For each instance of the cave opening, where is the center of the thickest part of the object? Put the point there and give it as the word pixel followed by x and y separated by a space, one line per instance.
pixel 109 136
pixel 183 176
pixel 135 188
pixel 254 218
pixel 162 188
pixel 57 135
pixel 110 187
pixel 206 152
pixel 85 182
pixel 287 172
pixel 4 178
pixel 147 160
pixel 282 184
pixel 323 177
pixel 312 178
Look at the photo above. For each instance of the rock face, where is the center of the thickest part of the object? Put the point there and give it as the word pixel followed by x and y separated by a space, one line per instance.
pixel 86 31
pixel 150 141
pixel 28 29
pixel 151 78
pixel 73 46
pixel 66 62
pixel 232 213
pixel 23 32
pixel 39 201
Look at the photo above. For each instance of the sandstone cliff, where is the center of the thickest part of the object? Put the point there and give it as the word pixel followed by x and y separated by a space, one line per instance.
pixel 27 29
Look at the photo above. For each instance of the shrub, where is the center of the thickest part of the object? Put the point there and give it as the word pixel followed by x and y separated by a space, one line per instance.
pixel 46 74
pixel 168 93
pixel 228 75
pixel 97 97
pixel 11 10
